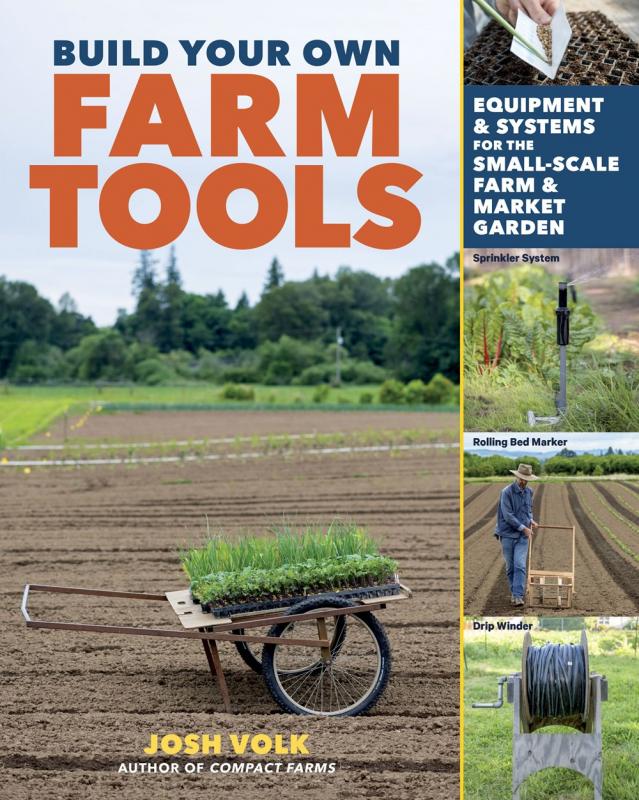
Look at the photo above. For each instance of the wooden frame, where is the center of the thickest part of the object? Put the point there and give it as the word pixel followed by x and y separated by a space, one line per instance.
pixel 550 588
pixel 198 624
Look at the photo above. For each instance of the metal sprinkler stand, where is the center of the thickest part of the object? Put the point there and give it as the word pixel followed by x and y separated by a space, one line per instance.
pixel 563 340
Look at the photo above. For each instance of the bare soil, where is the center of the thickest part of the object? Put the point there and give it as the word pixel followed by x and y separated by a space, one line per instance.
pixel 616 302
pixel 75 705
pixel 606 576
pixel 473 491
pixel 175 425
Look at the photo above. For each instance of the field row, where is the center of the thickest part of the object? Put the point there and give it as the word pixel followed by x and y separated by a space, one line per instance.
pixel 606 518
pixel 120 527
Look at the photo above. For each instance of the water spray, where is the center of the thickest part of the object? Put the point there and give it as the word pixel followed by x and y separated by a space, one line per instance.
pixel 562 313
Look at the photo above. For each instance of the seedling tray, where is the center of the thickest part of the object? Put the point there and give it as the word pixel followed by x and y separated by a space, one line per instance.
pixel 599 54
pixel 360 593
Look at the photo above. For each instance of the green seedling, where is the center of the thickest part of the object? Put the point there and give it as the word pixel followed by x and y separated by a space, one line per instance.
pixel 290 562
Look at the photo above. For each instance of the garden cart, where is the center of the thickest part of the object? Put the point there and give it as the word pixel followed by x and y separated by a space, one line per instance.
pixel 326 655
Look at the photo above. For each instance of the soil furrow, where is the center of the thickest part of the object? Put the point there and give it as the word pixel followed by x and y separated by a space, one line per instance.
pixel 614 502
pixel 624 576
pixel 468 499
pixel 606 581
pixel 482 522
pixel 90 702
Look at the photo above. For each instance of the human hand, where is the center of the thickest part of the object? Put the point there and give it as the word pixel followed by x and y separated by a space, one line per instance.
pixel 540 11
pixel 534 524
pixel 527 532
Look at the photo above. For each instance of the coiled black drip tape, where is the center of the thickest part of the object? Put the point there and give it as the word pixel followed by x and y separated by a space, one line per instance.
pixel 557 681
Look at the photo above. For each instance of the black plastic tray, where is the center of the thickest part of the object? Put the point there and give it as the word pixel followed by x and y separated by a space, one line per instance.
pixel 361 593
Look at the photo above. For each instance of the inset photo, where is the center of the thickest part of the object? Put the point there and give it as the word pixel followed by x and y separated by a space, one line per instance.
pixel 551 340
pixel 551 524
pixel 550 708
pixel 551 42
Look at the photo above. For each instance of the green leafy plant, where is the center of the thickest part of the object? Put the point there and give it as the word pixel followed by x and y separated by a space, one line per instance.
pixel 288 563
pixel 391 392
pixel 235 391
pixel 510 317
pixel 321 393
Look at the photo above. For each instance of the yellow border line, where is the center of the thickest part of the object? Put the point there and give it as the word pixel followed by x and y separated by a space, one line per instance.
pixel 461 399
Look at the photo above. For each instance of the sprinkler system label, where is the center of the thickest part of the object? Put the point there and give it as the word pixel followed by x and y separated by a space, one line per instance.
pixel 548 171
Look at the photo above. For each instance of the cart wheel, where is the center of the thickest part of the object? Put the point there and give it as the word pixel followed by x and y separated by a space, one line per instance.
pixel 348 683
pixel 254 661
pixel 250 658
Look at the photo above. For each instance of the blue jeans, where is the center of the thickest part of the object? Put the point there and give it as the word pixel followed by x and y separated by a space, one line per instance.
pixel 515 553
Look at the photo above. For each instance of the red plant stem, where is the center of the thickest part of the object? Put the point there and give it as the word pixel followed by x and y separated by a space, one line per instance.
pixel 486 353
pixel 500 341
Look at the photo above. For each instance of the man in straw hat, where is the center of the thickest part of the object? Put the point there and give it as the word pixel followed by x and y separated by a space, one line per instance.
pixel 515 525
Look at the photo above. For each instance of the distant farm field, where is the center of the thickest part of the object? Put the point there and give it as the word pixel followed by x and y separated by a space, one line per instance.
pixel 25 411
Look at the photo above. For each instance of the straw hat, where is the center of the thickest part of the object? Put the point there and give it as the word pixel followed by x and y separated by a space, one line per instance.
pixel 524 471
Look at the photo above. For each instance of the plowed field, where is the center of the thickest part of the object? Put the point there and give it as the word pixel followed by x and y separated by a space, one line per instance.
pixel 75 705
pixel 606 517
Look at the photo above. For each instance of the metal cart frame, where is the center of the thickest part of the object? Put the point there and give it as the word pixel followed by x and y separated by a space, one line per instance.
pixel 203 626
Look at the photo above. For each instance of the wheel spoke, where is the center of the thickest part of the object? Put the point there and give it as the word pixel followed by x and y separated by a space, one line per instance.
pixel 341 683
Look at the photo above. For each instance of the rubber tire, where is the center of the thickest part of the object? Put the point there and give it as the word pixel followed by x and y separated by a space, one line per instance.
pixel 311 605
pixel 251 660
pixel 246 654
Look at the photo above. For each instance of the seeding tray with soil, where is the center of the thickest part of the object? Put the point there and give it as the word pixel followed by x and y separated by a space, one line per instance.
pixel 599 54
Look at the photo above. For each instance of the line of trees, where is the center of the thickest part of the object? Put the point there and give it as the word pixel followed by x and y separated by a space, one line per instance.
pixel 613 462
pixel 405 328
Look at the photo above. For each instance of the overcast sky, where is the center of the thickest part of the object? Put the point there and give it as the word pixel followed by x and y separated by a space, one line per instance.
pixel 98 272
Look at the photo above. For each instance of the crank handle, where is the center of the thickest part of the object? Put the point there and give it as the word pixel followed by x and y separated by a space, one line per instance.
pixel 500 696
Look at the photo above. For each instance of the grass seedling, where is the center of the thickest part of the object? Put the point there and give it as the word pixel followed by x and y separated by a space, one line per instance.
pixel 291 561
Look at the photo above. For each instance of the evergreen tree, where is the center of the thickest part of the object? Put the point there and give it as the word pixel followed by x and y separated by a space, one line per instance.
pixel 149 307
pixel 69 326
pixel 144 277
pixel 274 276
pixel 242 326
pixel 170 334
pixel 243 302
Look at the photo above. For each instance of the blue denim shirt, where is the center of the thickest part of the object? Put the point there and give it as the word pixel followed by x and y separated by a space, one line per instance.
pixel 514 512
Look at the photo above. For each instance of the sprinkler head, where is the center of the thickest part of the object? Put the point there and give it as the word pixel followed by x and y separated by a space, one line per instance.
pixel 563 294
pixel 563 316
